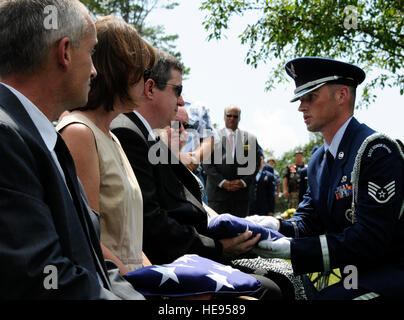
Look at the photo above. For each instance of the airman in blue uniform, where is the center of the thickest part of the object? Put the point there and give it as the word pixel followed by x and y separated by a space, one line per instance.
pixel 352 213
pixel 264 202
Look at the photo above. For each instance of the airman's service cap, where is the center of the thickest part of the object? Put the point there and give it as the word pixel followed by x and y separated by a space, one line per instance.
pixel 310 73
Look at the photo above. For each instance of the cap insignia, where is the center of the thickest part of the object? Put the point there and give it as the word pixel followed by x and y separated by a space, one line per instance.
pixel 292 70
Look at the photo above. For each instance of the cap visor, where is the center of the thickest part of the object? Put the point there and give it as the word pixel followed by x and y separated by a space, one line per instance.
pixel 303 92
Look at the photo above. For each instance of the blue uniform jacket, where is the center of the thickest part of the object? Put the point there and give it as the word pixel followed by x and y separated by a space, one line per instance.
pixel 265 192
pixel 331 231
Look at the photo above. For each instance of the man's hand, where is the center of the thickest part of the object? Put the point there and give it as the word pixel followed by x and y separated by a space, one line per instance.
pixel 233 185
pixel 227 185
pixel 189 160
pixel 233 247
pixel 230 186
pixel 237 184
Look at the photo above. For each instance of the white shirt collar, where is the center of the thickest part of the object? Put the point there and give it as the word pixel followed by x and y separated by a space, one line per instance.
pixel 41 122
pixel 336 140
pixel 146 124
pixel 228 131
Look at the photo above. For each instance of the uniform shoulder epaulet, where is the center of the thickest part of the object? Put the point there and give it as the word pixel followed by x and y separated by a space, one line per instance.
pixel 358 160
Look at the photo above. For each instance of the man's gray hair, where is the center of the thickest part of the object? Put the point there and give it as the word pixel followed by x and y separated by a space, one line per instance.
pixel 25 37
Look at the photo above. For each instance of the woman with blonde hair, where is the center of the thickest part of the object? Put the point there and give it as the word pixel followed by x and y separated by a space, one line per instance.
pixel 121 56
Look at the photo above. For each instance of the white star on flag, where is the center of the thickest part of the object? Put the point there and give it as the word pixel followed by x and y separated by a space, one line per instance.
pixel 227 269
pixel 186 259
pixel 220 280
pixel 167 273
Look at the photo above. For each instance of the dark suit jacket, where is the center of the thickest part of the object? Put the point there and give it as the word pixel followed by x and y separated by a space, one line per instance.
pixel 174 218
pixel 40 225
pixel 372 238
pixel 244 166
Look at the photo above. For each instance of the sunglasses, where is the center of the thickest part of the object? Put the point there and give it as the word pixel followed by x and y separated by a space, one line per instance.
pixel 177 88
pixel 235 116
pixel 176 125
pixel 187 126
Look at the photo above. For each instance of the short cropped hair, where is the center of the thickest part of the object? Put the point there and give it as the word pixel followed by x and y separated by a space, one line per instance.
pixel 161 72
pixel 25 39
pixel 352 93
pixel 120 58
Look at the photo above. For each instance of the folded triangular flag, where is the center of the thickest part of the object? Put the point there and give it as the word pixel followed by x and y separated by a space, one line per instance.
pixel 227 226
pixel 192 275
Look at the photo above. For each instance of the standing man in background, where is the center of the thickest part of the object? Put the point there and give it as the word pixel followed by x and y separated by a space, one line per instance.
pixel 232 168
pixel 291 180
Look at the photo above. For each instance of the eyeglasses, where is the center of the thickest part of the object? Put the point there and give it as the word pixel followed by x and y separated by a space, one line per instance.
pixel 188 126
pixel 235 116
pixel 177 88
pixel 177 124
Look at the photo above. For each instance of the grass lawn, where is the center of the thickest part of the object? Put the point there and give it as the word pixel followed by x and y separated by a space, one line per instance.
pixel 334 277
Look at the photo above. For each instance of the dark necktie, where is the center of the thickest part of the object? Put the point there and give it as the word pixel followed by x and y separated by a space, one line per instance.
pixel 330 161
pixel 67 165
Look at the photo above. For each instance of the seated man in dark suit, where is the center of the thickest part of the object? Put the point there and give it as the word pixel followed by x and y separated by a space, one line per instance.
pixel 49 238
pixel 175 219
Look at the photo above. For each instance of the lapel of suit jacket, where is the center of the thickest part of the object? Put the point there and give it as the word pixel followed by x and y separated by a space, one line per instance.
pixel 225 145
pixel 241 141
pixel 18 113
pixel 342 156
pixel 181 172
pixel 189 183
pixel 139 127
pixel 186 178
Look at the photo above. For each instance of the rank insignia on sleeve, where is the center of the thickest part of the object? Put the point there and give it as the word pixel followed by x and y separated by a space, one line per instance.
pixel 382 194
pixel 343 191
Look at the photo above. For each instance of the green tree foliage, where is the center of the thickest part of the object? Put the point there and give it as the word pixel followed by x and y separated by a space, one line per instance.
pixel 136 12
pixel 366 33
